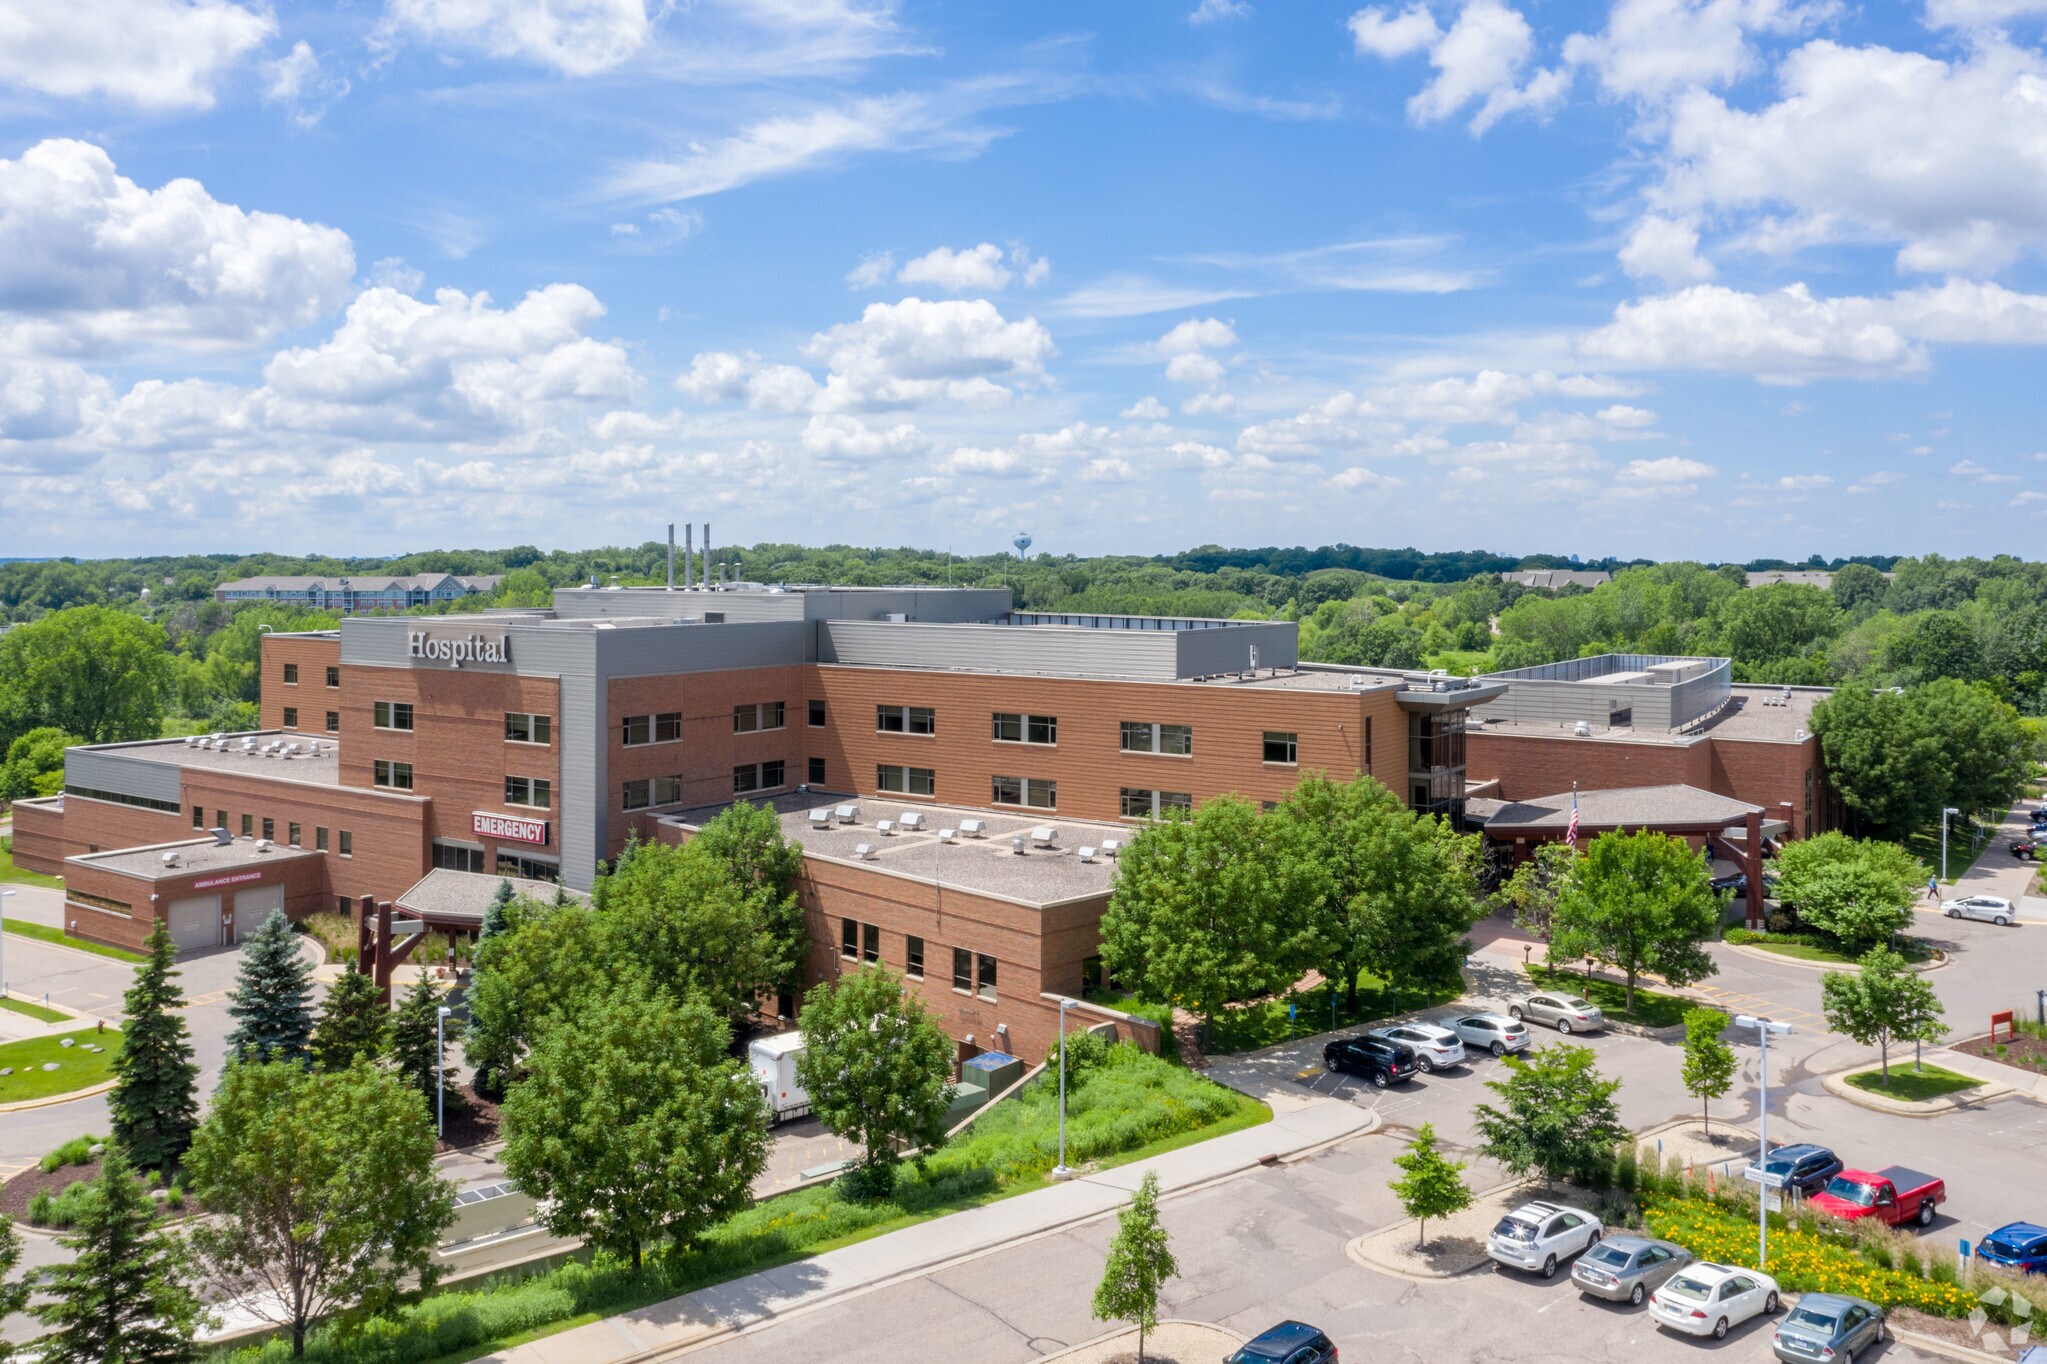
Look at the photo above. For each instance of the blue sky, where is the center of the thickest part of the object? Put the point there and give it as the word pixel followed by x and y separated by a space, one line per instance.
pixel 1710 278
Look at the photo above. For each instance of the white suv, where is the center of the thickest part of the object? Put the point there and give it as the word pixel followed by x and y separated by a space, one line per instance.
pixel 1434 1047
pixel 1536 1235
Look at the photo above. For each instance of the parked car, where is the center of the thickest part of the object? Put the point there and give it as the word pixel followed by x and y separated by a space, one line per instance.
pixel 1433 1047
pixel 1895 1195
pixel 1737 884
pixel 1709 1299
pixel 1383 1063
pixel 1989 908
pixel 1497 1033
pixel 2017 1245
pixel 1828 1326
pixel 1805 1167
pixel 1536 1235
pixel 1566 1013
pixel 1290 1342
pixel 1627 1268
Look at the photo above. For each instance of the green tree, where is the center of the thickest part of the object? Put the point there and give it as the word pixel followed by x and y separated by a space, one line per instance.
pixel 1881 759
pixel 35 764
pixel 498 918
pixel 521 982
pixel 1431 1185
pixel 1783 620
pixel 13 1292
pixel 1531 893
pixel 1140 1261
pixel 322 1191
pixel 155 1102
pixel 877 1069
pixel 1856 891
pixel 123 1295
pixel 1884 1002
pixel 1857 585
pixel 416 1046
pixel 1988 757
pixel 94 671
pixel 355 1022
pixel 1709 1064
pixel 1558 1118
pixel 635 1124
pixel 676 918
pixel 272 1004
pixel 1204 910
pixel 1643 902
pixel 747 839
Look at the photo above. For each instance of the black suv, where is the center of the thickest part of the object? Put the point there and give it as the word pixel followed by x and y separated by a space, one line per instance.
pixel 1290 1342
pixel 1378 1060
pixel 1805 1167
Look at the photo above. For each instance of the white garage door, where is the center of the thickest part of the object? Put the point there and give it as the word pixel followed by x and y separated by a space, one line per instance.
pixel 253 906
pixel 195 923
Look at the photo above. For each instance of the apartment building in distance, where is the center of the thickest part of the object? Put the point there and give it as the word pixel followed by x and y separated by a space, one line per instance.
pixel 360 593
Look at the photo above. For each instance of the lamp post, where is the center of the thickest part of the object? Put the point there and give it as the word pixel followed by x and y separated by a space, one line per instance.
pixel 1945 811
pixel 441 1070
pixel 1060 1171
pixel 3 942
pixel 1764 1027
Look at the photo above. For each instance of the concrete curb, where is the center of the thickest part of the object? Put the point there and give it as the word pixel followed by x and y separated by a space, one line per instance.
pixel 53 1100
pixel 1836 1084
pixel 1108 1336
pixel 1918 1340
pixel 77 951
pixel 1355 1250
pixel 1940 961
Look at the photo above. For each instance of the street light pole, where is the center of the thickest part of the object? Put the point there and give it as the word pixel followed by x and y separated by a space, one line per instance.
pixel 1060 1171
pixel 1945 811
pixel 3 942
pixel 1764 1027
pixel 441 1071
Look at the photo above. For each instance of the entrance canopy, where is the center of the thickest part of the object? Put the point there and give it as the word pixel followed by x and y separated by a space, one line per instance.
pixel 1665 809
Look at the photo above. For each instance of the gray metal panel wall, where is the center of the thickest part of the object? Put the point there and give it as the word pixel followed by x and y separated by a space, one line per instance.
pixel 1228 649
pixel 933 604
pixel 377 642
pixel 1059 651
pixel 122 774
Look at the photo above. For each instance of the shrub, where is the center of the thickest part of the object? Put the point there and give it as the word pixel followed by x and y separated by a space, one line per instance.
pixel 62 1210
pixel 76 1151
pixel 39 1207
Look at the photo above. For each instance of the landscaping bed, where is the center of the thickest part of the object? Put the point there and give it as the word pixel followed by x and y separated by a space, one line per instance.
pixel 1652 1008
pixel 2028 1049
pixel 77 1067
pixel 1813 947
pixel 1266 1022
pixel 36 1196
pixel 472 1119
pixel 1913 1086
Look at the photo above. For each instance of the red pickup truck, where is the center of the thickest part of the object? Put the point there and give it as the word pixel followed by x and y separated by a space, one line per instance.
pixel 1895 1195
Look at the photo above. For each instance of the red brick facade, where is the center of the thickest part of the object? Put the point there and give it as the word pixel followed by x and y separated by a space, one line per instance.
pixel 96 893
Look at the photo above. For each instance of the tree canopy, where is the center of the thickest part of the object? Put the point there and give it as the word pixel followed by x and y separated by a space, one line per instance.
pixel 877 1068
pixel 1642 901
pixel 1557 1115
pixel 1885 1002
pixel 1857 891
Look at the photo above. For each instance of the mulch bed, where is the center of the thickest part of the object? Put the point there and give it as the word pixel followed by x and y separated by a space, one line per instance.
pixel 472 1119
pixel 18 1192
pixel 2029 1052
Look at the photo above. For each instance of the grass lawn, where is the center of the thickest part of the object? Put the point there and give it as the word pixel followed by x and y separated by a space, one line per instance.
pixel 44 933
pixel 1924 844
pixel 1652 1009
pixel 10 872
pixel 78 1068
pixel 1264 1024
pixel 1928 1082
pixel 35 1011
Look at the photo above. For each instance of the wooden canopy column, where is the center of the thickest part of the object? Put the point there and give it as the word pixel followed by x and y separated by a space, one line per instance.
pixel 375 955
pixel 1752 866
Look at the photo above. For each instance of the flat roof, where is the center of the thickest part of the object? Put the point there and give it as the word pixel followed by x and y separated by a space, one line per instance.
pixel 323 769
pixel 194 855
pixel 982 866
pixel 1754 714
pixel 1636 807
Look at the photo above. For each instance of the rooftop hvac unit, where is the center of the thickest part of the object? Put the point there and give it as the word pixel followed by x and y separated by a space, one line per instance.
pixel 1087 854
pixel 849 814
pixel 192 741
pixel 1583 729
pixel 945 835
pixel 1045 836
pixel 885 827
pixel 1111 846
pixel 864 851
pixel 821 819
pixel 221 836
pixel 910 819
pixel 170 859
pixel 262 845
pixel 973 828
pixel 1016 844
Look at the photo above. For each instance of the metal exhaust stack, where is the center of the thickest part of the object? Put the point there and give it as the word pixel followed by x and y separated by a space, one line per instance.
pixel 671 556
pixel 689 552
pixel 707 554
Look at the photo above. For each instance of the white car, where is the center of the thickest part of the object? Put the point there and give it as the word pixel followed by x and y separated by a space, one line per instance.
pixel 1989 908
pixel 1495 1033
pixel 1707 1299
pixel 1434 1047
pixel 1536 1235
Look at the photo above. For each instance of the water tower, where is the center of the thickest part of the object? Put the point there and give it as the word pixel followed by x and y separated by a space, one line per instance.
pixel 1023 545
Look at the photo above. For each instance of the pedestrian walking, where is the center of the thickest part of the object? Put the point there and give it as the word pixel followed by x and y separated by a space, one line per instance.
pixel 1933 888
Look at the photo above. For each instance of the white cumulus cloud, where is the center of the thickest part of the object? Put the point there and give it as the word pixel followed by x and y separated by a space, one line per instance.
pixel 1484 58
pixel 959 350
pixel 977 267
pixel 155 54
pixel 576 37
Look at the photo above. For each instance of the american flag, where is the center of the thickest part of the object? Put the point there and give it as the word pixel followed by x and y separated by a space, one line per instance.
pixel 1571 829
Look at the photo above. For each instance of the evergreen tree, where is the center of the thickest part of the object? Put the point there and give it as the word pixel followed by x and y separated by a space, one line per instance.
pixel 273 998
pixel 13 1296
pixel 415 1048
pixel 496 919
pixel 355 1023
pixel 155 1101
pixel 1140 1260
pixel 1709 1062
pixel 123 1296
pixel 1433 1186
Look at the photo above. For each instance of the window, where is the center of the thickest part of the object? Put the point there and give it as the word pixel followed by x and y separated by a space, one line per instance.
pixel 397 776
pixel 101 902
pixel 756 777
pixel 1143 737
pixel 1281 748
pixel 292 835
pixel 291 717
pixel 333 722
pixel 663 728
pixel 906 719
pixel 344 906
pixel 537 792
pixel 248 826
pixel 1142 803
pixel 755 716
pixel 908 781
pixel 169 807
pixel 269 831
pixel 870 942
pixel 521 728
pixel 220 819
pixel 199 816
pixel 816 777
pixel 1035 792
pixel 334 677
pixel 291 674
pixel 652 791
pixel 986 965
pixel 347 848
pixel 528 868
pixel 457 857
pixel 913 959
pixel 391 714
pixel 962 970
pixel 817 715
pixel 849 938
pixel 320 838
pixel 1026 729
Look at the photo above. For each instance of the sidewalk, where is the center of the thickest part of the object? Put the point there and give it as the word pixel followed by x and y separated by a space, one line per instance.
pixel 694 1318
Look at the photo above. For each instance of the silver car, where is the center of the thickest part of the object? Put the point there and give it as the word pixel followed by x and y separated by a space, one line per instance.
pixel 1565 1013
pixel 1627 1268
pixel 1495 1033
pixel 1828 1326
pixel 1994 909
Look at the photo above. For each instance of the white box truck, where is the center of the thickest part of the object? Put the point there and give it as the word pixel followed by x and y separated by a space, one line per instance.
pixel 773 1062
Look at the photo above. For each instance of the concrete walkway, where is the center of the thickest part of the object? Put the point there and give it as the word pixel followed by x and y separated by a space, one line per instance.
pixel 695 1318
